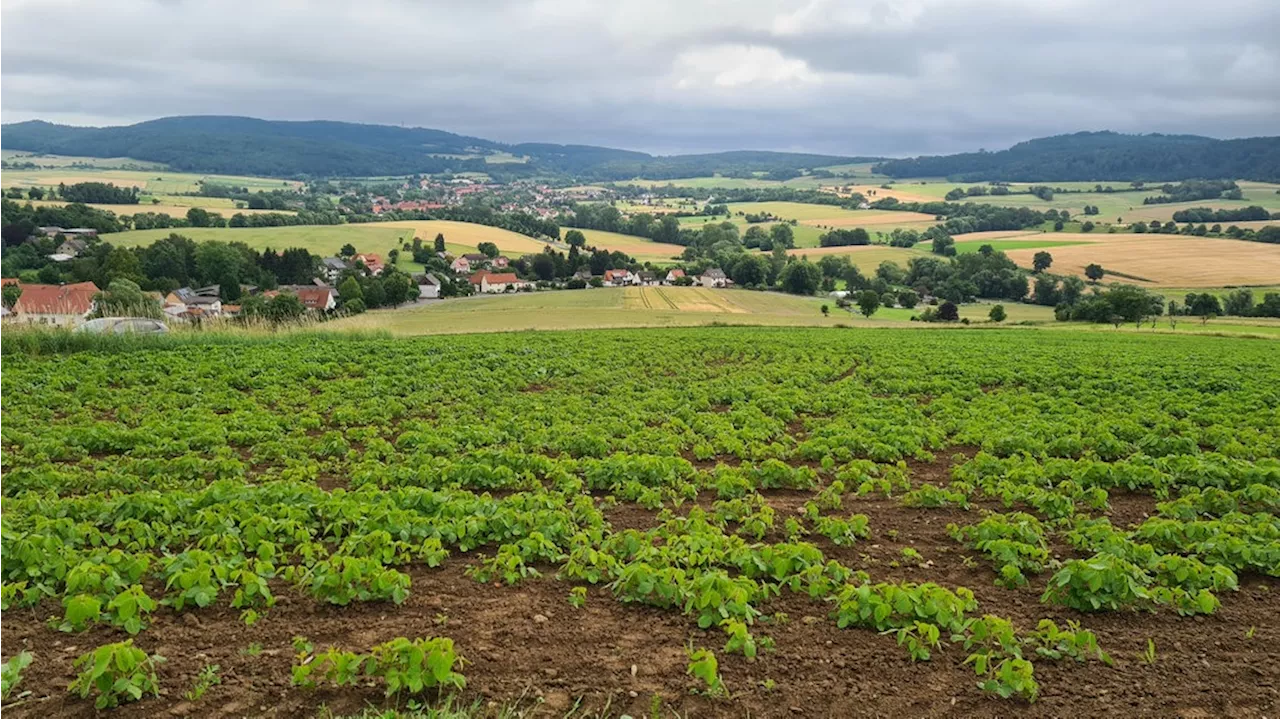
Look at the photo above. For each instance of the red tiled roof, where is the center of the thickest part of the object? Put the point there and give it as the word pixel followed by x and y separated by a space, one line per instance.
pixel 475 279
pixel 502 278
pixel 314 298
pixel 71 299
pixel 677 273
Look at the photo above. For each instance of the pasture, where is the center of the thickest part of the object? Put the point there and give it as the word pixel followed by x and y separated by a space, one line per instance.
pixel 641 248
pixel 152 182
pixel 172 205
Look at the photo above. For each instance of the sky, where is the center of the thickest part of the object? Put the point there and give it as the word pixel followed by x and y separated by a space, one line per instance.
pixel 849 77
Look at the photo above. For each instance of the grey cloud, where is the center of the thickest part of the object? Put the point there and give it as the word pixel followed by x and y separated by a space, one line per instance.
pixel 841 76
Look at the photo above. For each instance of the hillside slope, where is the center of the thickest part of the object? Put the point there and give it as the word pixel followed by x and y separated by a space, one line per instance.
pixel 248 146
pixel 1100 156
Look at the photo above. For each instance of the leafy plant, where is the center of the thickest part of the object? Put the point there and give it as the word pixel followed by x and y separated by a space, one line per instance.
pixel 116 673
pixel 11 672
pixel 704 667
pixel 578 597
pixel 207 678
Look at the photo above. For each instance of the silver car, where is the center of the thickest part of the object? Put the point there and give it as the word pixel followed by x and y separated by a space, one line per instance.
pixel 121 325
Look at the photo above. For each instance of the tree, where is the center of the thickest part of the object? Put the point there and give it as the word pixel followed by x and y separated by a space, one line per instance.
pixel 124 298
pixel 997 314
pixel 348 250
pixel 868 303
pixel 11 293
pixel 198 217
pixel 1087 226
pixel 782 236
pixel 350 290
pixel 1173 314
pixel 544 266
pixel 1057 226
pixel 749 270
pixel 1094 272
pixel 375 295
pixel 488 249
pixel 394 257
pixel 1238 303
pixel 438 245
pixel 575 238
pixel 36 193
pixel 1041 261
pixel 1203 305
pixel 948 312
pixel 908 299
pixel 888 299
pixel 755 237
pixel 1046 291
pixel 826 311
pixel 398 288
pixel 1072 288
pixel 800 278
pixel 943 244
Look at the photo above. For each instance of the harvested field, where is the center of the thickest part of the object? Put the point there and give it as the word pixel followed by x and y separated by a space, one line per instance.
pixel 1168 260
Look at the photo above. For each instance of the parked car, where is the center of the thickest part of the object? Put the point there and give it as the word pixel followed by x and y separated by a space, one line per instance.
pixel 121 325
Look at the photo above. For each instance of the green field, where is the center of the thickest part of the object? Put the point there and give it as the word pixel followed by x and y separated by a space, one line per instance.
pixel 963 247
pixel 690 522
pixel 151 182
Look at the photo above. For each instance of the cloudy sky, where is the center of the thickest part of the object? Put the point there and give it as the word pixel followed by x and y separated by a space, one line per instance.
pixel 889 77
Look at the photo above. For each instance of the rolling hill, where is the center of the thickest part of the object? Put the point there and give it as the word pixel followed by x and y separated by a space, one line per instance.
pixel 1100 156
pixel 249 146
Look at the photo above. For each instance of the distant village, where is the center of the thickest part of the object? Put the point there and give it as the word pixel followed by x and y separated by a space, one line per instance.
pixel 69 305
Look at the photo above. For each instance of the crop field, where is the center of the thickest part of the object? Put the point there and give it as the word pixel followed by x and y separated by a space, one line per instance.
pixel 710 522
pixel 155 182
pixel 596 308
pixel 1166 260
pixel 737 183
pixel 18 156
pixel 172 205
pixel 641 248
pixel 468 234
pixel 866 257
pixel 326 240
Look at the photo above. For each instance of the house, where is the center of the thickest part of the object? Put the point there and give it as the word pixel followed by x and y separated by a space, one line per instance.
pixel 73 246
pixel 428 286
pixel 318 299
pixel 371 262
pixel 501 262
pixel 617 278
pixel 58 305
pixel 497 282
pixel 186 303
pixel 477 260
pixel 461 266
pixel 60 257
pixel 646 279
pixel 333 267
pixel 714 277
pixel 583 274
pixel 674 275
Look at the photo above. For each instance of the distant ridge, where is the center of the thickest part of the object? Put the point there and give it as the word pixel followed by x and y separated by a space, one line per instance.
pixel 1101 156
pixel 249 146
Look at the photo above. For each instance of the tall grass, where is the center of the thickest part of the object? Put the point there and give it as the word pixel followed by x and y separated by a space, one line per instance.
pixel 36 341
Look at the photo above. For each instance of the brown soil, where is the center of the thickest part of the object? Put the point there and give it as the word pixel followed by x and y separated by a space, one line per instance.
pixel 526 643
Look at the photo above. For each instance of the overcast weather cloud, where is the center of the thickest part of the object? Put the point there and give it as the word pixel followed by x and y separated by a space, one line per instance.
pixel 851 77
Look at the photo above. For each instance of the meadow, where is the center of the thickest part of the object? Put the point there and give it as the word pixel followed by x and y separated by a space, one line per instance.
pixel 152 182
pixel 710 522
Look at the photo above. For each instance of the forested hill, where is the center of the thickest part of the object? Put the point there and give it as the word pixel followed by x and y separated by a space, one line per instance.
pixel 247 146
pixel 1096 156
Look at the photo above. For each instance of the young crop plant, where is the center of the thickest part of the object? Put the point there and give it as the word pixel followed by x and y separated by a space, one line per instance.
pixel 11 673
pixel 704 667
pixel 932 496
pixel 1073 642
pixel 401 664
pixel 342 580
pixel 1015 543
pixel 843 532
pixel 206 680
pixel 116 673
pixel 578 597
pixel 919 639
pixel 1103 582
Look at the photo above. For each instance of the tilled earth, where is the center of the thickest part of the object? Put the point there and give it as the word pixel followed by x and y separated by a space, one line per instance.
pixel 526 645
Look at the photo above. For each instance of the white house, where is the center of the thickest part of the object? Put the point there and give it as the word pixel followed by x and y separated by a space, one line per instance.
pixel 428 287
pixel 59 305
pixel 673 275
pixel 461 266
pixel 497 282
pixel 714 277
pixel 333 268
pixel 618 278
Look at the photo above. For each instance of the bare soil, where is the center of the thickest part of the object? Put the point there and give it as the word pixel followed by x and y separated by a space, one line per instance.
pixel 527 644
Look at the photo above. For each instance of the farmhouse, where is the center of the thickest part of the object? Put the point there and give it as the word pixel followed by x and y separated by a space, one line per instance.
pixel 428 286
pixel 674 275
pixel 186 303
pixel 59 305
pixel 371 262
pixel 501 262
pixel 317 299
pixel 646 279
pixel 73 232
pixel 583 274
pixel 497 282
pixel 617 278
pixel 714 277
pixel 333 267
pixel 461 266
pixel 73 246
